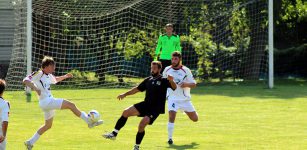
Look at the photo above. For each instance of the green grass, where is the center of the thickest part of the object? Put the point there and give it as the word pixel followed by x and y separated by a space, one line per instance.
pixel 239 117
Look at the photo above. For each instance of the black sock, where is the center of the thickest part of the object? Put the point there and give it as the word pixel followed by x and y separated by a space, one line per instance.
pixel 120 123
pixel 139 137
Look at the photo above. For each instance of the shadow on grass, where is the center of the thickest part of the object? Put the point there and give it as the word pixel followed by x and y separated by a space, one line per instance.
pixel 193 145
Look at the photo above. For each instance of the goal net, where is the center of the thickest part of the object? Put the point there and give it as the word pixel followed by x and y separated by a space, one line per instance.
pixel 111 43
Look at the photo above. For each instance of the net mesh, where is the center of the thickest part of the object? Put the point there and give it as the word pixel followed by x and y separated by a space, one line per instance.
pixel 111 43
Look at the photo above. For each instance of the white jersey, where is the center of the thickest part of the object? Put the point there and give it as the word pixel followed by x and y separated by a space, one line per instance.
pixel 43 82
pixel 183 74
pixel 4 111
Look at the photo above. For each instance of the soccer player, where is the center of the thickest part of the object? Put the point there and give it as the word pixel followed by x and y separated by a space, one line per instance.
pixel 181 97
pixel 167 44
pixel 40 82
pixel 153 105
pixel 4 110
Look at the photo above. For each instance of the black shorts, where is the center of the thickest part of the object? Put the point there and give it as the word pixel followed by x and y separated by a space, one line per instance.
pixel 145 110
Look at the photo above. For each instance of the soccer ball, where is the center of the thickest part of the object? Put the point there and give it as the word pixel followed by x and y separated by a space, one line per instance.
pixel 94 115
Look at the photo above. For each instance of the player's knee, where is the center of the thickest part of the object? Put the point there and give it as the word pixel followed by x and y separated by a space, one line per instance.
pixel 48 126
pixel 125 113
pixel 144 122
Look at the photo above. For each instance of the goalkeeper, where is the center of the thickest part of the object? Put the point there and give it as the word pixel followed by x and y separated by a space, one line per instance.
pixel 167 44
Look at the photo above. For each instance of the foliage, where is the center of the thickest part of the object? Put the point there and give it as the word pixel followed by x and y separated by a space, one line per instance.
pixel 84 76
pixel 138 43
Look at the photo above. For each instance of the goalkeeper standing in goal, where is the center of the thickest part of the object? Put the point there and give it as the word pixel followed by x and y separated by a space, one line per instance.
pixel 180 99
pixel 153 105
pixel 40 82
pixel 167 44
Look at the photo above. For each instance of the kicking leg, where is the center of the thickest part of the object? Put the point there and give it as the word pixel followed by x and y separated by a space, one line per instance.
pixel 128 112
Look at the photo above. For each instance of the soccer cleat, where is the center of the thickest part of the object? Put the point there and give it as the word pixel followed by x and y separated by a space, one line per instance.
pixel 136 147
pixel 170 141
pixel 110 136
pixel 28 145
pixel 99 122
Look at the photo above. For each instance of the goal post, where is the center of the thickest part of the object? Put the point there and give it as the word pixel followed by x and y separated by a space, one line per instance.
pixel 111 43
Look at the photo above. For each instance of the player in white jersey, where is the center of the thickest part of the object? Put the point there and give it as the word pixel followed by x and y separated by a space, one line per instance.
pixel 4 116
pixel 40 82
pixel 180 99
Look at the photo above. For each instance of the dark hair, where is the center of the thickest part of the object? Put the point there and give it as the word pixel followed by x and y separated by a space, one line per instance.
pixel 158 63
pixel 2 86
pixel 47 61
pixel 169 25
pixel 177 54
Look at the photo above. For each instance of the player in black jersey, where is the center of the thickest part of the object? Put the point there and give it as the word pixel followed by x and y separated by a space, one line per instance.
pixel 153 105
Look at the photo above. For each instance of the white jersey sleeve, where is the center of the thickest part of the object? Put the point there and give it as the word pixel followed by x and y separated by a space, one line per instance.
pixel 5 110
pixel 164 74
pixel 52 79
pixel 189 76
pixel 35 76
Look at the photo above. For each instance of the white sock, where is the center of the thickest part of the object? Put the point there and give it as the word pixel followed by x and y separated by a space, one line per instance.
pixel 84 117
pixel 170 128
pixel 34 138
pixel 115 130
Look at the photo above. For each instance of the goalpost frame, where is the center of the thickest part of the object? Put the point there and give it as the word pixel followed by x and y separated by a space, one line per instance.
pixel 29 41
pixel 271 45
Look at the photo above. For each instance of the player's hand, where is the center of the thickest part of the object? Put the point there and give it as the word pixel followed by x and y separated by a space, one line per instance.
pixel 170 78
pixel 121 96
pixel 2 138
pixel 38 91
pixel 69 75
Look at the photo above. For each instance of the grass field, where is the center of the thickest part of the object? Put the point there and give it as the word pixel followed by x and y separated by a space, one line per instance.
pixel 234 117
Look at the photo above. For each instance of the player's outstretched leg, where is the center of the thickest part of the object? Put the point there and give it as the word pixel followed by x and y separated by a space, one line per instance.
pixel 70 105
pixel 141 132
pixel 130 111
pixel 29 143
pixel 170 125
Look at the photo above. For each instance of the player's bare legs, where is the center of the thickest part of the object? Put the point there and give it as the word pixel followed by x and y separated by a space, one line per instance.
pixel 128 112
pixel 141 132
pixel 45 127
pixel 170 126
pixel 48 124
pixel 193 116
pixel 70 105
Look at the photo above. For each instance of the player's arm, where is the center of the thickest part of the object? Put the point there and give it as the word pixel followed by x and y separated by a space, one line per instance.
pixel 158 48
pixel 5 122
pixel 189 85
pixel 4 129
pixel 31 85
pixel 190 82
pixel 171 81
pixel 130 92
pixel 61 78
pixel 177 46
pixel 33 77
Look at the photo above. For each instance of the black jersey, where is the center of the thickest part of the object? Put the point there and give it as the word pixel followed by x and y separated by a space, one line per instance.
pixel 156 88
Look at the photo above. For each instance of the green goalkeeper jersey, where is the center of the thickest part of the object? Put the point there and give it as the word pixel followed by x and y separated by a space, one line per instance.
pixel 167 45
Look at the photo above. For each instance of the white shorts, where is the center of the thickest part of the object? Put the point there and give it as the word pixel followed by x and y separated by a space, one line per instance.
pixel 48 105
pixel 185 106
